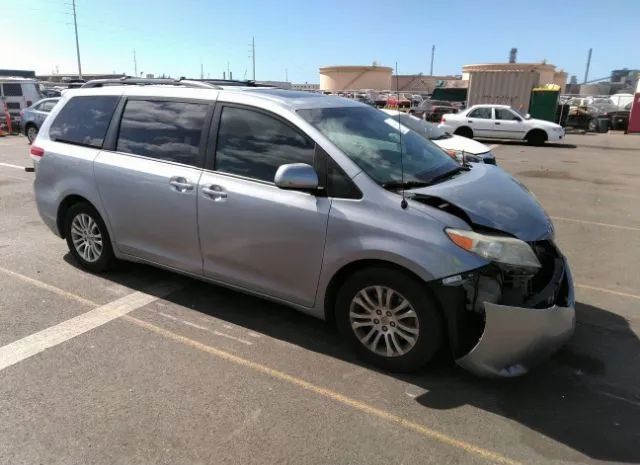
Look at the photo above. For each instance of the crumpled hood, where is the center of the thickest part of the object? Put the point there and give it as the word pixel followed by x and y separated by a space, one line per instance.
pixel 492 198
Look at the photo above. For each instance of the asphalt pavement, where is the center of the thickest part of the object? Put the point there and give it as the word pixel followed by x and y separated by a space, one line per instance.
pixel 141 366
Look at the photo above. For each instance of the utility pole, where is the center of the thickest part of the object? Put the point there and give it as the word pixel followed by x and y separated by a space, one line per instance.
pixel 286 75
pixel 201 71
pixel 586 72
pixel 135 64
pixel 75 26
pixel 433 52
pixel 253 56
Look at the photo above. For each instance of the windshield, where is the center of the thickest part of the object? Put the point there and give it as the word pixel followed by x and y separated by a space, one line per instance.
pixel 371 139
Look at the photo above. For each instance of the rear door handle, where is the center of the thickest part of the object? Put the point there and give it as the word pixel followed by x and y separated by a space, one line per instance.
pixel 215 192
pixel 181 184
pixel 470 121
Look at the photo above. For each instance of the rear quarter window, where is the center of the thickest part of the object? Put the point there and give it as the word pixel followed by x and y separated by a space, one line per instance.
pixel 84 120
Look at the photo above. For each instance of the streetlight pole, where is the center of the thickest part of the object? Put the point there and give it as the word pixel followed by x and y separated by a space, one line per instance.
pixel 75 26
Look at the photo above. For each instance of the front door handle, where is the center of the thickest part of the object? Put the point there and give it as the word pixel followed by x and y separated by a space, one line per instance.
pixel 497 123
pixel 470 121
pixel 181 184
pixel 215 192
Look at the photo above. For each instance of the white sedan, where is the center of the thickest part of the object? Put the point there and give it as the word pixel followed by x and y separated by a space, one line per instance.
pixel 456 146
pixel 501 122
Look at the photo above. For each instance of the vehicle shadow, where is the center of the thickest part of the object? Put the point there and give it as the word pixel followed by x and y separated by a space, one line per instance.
pixel 581 398
pixel 558 145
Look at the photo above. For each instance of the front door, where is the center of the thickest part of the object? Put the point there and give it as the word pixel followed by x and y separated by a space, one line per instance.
pixel 254 235
pixel 148 184
pixel 508 125
pixel 480 121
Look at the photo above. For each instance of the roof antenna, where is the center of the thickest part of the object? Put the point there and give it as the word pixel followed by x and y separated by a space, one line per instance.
pixel 403 203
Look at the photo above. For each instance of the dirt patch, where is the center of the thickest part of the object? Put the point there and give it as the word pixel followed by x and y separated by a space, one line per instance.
pixel 554 174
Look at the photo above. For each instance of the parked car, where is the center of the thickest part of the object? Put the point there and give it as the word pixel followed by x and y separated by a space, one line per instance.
pixel 33 116
pixel 17 94
pixel 501 122
pixel 619 119
pixel 461 148
pixel 432 110
pixel 364 98
pixel 310 201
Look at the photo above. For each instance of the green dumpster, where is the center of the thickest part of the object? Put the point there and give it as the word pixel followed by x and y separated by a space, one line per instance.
pixel 544 103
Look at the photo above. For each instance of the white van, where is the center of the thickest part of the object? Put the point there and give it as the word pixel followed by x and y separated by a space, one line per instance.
pixel 18 93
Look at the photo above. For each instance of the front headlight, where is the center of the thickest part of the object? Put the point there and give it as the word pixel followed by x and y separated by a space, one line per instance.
pixel 500 249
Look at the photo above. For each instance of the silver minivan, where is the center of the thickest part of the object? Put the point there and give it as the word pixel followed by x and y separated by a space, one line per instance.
pixel 318 202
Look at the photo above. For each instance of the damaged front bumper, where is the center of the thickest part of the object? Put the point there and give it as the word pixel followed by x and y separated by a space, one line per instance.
pixel 514 339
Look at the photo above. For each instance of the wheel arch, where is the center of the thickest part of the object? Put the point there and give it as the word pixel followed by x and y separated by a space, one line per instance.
pixel 537 131
pixel 349 269
pixel 461 130
pixel 64 207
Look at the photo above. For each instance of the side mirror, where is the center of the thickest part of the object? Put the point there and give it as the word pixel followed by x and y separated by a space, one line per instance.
pixel 296 176
pixel 527 116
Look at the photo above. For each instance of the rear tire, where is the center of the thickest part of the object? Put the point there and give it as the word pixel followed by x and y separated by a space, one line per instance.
pixel 389 319
pixel 32 132
pixel 464 131
pixel 87 238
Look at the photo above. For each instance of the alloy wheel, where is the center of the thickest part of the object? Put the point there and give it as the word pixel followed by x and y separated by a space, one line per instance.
pixel 86 237
pixel 32 133
pixel 384 321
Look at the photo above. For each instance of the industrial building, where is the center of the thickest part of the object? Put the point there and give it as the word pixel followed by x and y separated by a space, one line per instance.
pixel 509 83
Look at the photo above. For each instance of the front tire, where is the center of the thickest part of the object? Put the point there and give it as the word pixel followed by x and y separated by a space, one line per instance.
pixel 389 318
pixel 87 238
pixel 464 131
pixel 536 137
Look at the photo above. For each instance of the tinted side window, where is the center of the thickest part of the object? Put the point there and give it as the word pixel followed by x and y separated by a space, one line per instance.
pixel 169 131
pixel 482 113
pixel 12 90
pixel 254 145
pixel 84 120
pixel 505 115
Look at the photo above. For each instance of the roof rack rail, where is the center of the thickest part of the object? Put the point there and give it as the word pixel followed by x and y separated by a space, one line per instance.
pixel 133 81
pixel 233 82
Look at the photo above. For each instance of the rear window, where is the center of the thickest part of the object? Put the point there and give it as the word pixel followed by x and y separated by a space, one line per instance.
pixel 12 90
pixel 84 120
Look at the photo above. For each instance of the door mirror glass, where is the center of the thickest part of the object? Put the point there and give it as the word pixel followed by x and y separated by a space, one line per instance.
pixel 527 116
pixel 296 176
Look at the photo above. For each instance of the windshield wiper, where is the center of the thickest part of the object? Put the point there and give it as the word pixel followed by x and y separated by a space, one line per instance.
pixel 448 174
pixel 405 184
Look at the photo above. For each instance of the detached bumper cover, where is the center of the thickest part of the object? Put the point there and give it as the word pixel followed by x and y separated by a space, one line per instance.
pixel 515 339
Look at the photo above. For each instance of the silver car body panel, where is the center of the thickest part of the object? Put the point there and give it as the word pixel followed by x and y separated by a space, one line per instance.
pixel 286 246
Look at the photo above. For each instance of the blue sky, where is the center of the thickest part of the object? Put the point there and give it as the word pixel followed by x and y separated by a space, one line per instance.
pixel 173 37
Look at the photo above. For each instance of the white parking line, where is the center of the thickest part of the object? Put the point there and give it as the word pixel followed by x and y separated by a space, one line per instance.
pixel 9 165
pixel 33 344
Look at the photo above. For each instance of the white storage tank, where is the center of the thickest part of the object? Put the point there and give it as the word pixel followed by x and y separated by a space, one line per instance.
pixel 338 78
